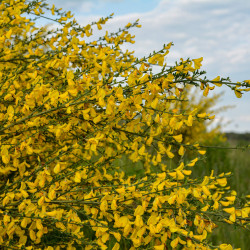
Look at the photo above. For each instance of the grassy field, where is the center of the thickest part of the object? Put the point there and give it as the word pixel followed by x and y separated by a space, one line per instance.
pixel 220 160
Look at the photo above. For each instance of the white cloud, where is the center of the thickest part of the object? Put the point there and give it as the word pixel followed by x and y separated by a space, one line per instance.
pixel 219 32
pixel 82 6
pixel 244 118
pixel 87 6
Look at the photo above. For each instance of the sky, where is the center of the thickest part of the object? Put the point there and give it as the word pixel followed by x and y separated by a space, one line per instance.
pixel 218 31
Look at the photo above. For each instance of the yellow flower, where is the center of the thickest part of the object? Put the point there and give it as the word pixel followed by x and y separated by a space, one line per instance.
pixel 174 242
pixel 160 247
pixel 226 247
pixel 116 246
pixel 178 138
pixel 197 62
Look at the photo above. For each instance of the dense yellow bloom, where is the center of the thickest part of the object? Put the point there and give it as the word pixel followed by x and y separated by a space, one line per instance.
pixel 70 109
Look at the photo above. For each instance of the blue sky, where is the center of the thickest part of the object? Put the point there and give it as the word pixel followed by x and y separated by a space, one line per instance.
pixel 219 31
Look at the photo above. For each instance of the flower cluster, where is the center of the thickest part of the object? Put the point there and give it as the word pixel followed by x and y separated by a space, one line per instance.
pixel 69 109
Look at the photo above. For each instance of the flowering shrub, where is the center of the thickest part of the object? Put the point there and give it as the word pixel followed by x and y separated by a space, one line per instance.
pixel 68 109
